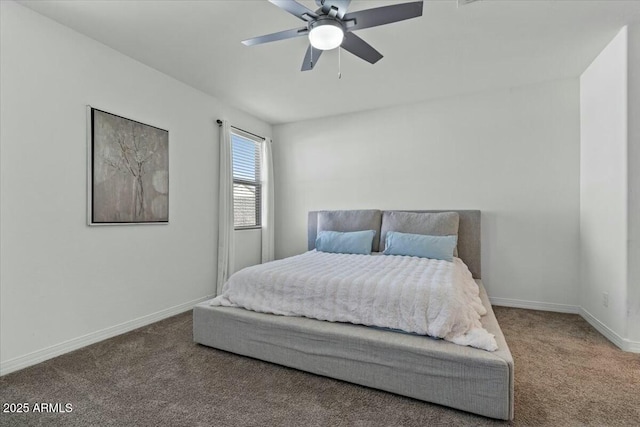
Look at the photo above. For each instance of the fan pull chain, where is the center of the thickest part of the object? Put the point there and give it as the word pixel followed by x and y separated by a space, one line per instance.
pixel 339 63
pixel 311 58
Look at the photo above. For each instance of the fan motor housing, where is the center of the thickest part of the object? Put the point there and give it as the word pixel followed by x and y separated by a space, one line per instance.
pixel 326 20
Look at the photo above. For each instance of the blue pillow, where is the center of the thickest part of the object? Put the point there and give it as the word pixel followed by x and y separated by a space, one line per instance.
pixel 424 246
pixel 355 242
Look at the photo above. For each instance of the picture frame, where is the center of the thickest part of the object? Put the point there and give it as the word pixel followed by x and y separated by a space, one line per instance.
pixel 128 171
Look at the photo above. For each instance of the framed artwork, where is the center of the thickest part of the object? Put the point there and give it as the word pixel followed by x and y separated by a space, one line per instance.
pixel 128 165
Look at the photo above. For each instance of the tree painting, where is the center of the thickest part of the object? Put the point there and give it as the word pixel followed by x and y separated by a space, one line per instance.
pixel 130 171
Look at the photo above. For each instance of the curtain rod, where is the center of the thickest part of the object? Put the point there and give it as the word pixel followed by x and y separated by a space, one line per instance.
pixel 242 130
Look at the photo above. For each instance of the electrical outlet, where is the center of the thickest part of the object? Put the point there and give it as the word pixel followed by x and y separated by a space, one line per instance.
pixel 605 299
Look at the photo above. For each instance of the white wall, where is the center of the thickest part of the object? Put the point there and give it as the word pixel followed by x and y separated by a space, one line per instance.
pixel 63 283
pixel 610 190
pixel 603 185
pixel 248 248
pixel 514 154
pixel 633 289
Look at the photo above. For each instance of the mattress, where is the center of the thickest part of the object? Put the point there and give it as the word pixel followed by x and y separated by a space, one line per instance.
pixel 416 366
pixel 420 295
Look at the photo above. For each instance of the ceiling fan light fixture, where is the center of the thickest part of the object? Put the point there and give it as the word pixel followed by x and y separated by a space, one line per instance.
pixel 326 34
pixel 331 26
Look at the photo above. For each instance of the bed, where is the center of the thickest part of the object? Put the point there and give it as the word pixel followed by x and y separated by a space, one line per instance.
pixel 416 366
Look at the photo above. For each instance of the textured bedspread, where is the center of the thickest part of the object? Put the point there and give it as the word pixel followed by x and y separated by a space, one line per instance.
pixel 419 295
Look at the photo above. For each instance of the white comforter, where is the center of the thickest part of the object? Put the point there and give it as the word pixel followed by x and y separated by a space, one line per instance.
pixel 419 295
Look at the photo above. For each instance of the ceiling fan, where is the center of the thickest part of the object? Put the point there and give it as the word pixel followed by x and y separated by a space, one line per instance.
pixel 331 26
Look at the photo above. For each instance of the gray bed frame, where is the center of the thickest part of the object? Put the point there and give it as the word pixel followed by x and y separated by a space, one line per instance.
pixel 420 367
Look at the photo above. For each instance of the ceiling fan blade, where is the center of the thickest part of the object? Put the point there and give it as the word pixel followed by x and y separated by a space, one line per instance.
pixel 383 15
pixel 282 35
pixel 295 8
pixel 341 5
pixel 360 48
pixel 310 60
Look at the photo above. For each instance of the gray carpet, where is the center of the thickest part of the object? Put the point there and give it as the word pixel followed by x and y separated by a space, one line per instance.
pixel 567 374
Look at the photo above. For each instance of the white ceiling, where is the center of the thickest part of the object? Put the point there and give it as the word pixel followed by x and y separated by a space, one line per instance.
pixel 482 46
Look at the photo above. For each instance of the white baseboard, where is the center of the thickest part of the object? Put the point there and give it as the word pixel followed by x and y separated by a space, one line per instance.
pixel 535 305
pixel 634 346
pixel 38 356
pixel 622 343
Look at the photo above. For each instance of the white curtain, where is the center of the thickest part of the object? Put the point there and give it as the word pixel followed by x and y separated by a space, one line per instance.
pixel 268 236
pixel 226 244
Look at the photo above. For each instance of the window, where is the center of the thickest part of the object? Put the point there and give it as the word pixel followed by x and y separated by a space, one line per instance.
pixel 247 188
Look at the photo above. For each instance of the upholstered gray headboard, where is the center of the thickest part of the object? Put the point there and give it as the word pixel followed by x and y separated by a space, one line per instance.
pixel 468 232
